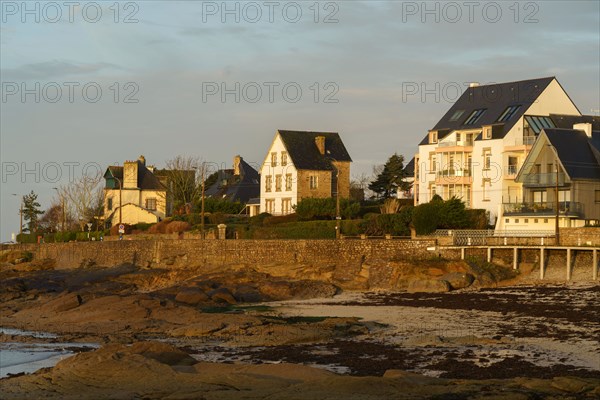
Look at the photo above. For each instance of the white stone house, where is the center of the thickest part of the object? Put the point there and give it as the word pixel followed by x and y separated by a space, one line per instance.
pixel 477 148
pixel 303 164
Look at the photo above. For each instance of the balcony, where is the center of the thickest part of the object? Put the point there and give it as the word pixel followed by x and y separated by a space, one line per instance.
pixel 454 173
pixel 544 180
pixel 460 143
pixel 522 141
pixel 453 176
pixel 543 209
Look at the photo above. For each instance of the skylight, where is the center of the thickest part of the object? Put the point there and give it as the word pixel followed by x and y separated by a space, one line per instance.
pixel 508 113
pixel 474 117
pixel 457 115
pixel 539 123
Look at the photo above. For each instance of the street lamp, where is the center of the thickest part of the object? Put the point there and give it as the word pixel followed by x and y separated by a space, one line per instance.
pixel 338 217
pixel 62 202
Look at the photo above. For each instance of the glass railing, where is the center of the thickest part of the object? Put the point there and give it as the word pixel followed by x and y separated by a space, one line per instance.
pixel 546 208
pixel 461 143
pixel 545 180
pixel 453 173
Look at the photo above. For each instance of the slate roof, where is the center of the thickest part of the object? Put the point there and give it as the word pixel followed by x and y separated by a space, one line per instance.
pixel 495 98
pixel 410 168
pixel 240 188
pixel 304 153
pixel 579 154
pixel 567 121
pixel 146 179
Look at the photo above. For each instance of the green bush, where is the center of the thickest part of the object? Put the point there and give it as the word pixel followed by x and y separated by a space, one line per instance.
pixel 393 224
pixel 142 226
pixel 300 230
pixel 212 205
pixel 258 220
pixel 325 208
pixel 453 215
pixel 280 219
pixel 426 217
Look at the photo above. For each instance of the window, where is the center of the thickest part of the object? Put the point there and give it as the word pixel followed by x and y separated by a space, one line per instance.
pixel 278 183
pixel 432 159
pixel 283 158
pixel 273 159
pixel 487 159
pixel 535 220
pixel 516 220
pixel 432 191
pixel 526 220
pixel 487 132
pixel 597 196
pixel 268 183
pixel 540 196
pixel 270 206
pixel 507 220
pixel 151 204
pixel 313 182
pixel 474 116
pixel 508 113
pixel 457 115
pixel 433 137
pixel 487 186
pixel 288 182
pixel 545 220
pixel 286 206
pixel 109 203
pixel 536 124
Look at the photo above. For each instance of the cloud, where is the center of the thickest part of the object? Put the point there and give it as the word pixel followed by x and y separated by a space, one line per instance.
pixel 54 69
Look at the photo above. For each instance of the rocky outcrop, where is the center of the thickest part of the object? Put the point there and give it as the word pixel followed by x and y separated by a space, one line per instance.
pixel 428 286
pixel 152 370
pixel 458 280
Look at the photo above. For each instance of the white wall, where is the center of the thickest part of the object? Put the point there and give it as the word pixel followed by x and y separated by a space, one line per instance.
pixel 267 169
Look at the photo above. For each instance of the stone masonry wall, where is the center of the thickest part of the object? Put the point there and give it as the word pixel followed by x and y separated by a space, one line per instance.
pixel 222 252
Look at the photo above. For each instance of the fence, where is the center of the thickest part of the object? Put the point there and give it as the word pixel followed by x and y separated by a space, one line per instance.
pixel 482 237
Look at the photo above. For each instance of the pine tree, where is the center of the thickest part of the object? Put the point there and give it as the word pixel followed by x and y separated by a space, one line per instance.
pixel 391 179
pixel 31 211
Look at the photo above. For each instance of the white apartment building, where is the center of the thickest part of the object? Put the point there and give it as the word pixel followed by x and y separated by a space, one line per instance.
pixel 477 148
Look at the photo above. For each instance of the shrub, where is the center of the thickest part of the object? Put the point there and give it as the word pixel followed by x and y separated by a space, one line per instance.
pixel 258 220
pixel 280 219
pixel 393 224
pixel 453 215
pixel 212 205
pixel 426 217
pixel 177 227
pixel 325 208
pixel 142 226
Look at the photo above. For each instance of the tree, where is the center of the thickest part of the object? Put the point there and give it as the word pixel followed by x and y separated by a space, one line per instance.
pixel 52 218
pixel 184 176
pixel 391 178
pixel 83 198
pixel 31 211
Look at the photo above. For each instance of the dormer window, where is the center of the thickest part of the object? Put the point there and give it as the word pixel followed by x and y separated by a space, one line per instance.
pixel 474 116
pixel 487 132
pixel 433 137
pixel 508 113
pixel 273 159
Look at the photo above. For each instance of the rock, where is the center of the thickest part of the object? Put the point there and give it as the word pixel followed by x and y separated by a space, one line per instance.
pixel 191 296
pixel 66 302
pixel 411 378
pixel 571 384
pixel 428 286
pixel 87 262
pixel 247 294
pixel 313 289
pixel 222 295
pixel 435 272
pixel 277 290
pixel 458 280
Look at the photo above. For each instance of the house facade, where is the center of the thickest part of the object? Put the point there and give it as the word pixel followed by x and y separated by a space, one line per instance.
pixel 302 164
pixel 477 148
pixel 561 176
pixel 133 193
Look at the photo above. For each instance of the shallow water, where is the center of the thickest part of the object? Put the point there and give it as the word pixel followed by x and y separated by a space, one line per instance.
pixel 16 357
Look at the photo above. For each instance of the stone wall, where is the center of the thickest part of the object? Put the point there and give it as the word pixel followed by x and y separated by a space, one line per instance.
pixel 155 253
pixel 580 236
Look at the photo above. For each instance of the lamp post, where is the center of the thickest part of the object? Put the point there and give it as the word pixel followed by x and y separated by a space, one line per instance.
pixel 338 217
pixel 20 214
pixel 62 207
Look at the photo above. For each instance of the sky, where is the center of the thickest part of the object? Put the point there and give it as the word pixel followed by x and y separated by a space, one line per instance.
pixel 91 84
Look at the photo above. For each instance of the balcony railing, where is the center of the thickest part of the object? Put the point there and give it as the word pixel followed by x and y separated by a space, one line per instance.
pixel 511 170
pixel 565 208
pixel 453 173
pixel 543 180
pixel 523 141
pixel 460 143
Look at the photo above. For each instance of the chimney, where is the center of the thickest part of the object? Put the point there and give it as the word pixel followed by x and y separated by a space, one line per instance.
pixel 142 160
pixel 584 126
pixel 236 165
pixel 130 174
pixel 320 142
pixel 473 84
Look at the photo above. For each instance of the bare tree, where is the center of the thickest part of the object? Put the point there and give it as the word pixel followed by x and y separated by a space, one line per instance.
pixel 82 198
pixel 183 178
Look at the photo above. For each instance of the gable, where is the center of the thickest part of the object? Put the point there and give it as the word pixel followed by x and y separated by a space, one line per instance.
pixel 304 153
